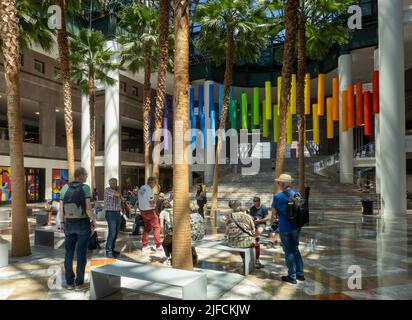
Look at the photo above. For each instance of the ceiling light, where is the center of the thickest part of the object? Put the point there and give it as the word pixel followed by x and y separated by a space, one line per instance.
pixel 57 110
pixel 37 113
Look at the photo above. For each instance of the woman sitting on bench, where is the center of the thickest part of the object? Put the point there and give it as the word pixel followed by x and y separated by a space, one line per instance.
pixel 240 230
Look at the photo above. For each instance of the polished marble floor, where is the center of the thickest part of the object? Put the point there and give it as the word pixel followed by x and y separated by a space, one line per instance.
pixel 346 256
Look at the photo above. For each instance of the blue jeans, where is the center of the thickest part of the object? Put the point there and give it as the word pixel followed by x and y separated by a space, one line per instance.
pixel 113 219
pixel 76 232
pixel 290 243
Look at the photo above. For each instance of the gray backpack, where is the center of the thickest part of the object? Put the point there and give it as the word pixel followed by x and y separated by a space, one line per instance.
pixel 74 201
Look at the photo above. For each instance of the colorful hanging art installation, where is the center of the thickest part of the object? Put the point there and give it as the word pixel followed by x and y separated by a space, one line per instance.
pixel 359 104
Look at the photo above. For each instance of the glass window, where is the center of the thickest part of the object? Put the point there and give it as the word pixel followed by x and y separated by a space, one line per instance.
pixel 122 86
pixel 135 91
pixel 39 66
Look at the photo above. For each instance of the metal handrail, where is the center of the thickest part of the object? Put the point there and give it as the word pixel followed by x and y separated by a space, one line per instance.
pixel 366 151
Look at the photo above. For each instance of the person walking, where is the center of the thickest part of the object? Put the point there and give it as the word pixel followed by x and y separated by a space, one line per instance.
pixel 289 233
pixel 201 199
pixel 147 207
pixel 113 207
pixel 77 222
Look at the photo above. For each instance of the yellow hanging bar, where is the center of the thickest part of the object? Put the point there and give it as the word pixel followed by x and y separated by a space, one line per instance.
pixel 293 95
pixel 315 117
pixel 307 94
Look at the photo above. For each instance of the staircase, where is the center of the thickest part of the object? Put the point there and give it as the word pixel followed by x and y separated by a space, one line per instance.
pixel 325 193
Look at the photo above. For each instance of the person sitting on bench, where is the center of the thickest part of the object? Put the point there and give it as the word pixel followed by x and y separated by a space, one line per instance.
pixel 240 230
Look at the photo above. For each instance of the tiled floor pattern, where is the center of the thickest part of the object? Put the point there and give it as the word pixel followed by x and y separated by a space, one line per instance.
pixel 334 246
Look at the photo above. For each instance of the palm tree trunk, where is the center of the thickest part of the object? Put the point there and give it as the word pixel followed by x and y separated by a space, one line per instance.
pixel 161 72
pixel 182 242
pixel 146 110
pixel 9 32
pixel 63 47
pixel 291 9
pixel 92 127
pixel 226 97
pixel 301 97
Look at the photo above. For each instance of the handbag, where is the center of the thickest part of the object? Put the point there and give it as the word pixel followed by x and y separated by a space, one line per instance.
pixel 93 242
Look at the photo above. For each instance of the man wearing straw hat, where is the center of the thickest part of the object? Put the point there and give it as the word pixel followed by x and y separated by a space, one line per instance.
pixel 289 233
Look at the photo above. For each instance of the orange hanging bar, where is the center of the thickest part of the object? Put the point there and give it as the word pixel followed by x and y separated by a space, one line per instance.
pixel 335 99
pixel 321 94
pixel 351 106
pixel 315 119
pixel 329 118
pixel 359 104
pixel 367 113
pixel 375 89
pixel 344 126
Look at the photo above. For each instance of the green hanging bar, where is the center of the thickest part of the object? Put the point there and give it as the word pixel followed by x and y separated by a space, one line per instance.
pixel 268 98
pixel 255 107
pixel 264 121
pixel 275 123
pixel 232 114
pixel 243 110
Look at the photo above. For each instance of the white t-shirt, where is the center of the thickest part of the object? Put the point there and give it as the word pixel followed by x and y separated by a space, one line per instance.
pixel 145 195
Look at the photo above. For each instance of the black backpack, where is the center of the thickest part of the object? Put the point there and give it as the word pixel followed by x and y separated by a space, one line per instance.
pixel 74 201
pixel 297 212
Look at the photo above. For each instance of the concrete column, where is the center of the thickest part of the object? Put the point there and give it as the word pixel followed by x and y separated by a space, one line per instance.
pixel 48 182
pixel 47 123
pixel 392 107
pixel 345 138
pixel 377 133
pixel 112 124
pixel 85 137
pixel 209 152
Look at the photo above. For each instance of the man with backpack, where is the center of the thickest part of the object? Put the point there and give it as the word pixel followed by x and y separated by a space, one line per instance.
pixel 287 205
pixel 77 222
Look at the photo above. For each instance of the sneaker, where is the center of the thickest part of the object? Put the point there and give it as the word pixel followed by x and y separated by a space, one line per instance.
pixel 301 278
pixel 110 255
pixel 146 249
pixel 80 287
pixel 258 265
pixel 116 252
pixel 288 279
pixel 159 250
pixel 70 287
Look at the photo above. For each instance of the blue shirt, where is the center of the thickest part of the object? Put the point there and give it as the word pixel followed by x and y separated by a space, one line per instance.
pixel 280 201
pixel 260 213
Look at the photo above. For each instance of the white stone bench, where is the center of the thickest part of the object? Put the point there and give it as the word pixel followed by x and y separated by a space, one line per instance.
pixel 4 254
pixel 106 280
pixel 45 236
pixel 250 255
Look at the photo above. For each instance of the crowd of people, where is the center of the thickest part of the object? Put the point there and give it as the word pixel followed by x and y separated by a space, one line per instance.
pixel 244 226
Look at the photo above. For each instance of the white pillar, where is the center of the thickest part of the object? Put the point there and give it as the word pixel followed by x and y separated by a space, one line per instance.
pixel 85 137
pixel 209 154
pixel 345 138
pixel 112 125
pixel 48 182
pixel 377 133
pixel 392 107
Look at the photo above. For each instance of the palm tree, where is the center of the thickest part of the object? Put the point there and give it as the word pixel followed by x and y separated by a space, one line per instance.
pixel 231 31
pixel 91 62
pixel 291 15
pixel 63 48
pixel 21 24
pixel 162 60
pixel 182 244
pixel 319 28
pixel 139 50
pixel 9 28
